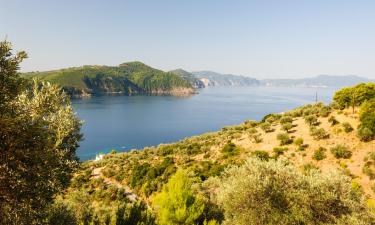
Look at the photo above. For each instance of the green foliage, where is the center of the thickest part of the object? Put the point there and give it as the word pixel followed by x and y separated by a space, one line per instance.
pixel 134 214
pixel 60 213
pixel 319 154
pixel 354 96
pixel 318 133
pixel 332 120
pixel 341 151
pixel 284 139
pixel 367 106
pixel 347 127
pixel 279 151
pixel 127 78
pixel 177 203
pixel 230 149
pixel 266 127
pixel 262 155
pixel 311 120
pixel 298 142
pixel 286 119
pixel 39 134
pixel 287 127
pixel 366 130
pixel 275 193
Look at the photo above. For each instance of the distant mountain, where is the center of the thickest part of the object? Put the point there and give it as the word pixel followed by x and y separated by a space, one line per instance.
pixel 194 81
pixel 318 81
pixel 210 78
pixel 128 78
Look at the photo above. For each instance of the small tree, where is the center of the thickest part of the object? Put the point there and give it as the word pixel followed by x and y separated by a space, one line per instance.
pixel 319 154
pixel 177 203
pixel 286 119
pixel 284 139
pixel 287 127
pixel 311 120
pixel 347 127
pixel 266 127
pixel 333 121
pixel 341 151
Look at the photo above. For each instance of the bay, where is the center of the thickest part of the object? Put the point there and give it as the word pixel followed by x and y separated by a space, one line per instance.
pixel 133 122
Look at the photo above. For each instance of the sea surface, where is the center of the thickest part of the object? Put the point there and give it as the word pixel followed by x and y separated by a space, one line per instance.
pixel 133 122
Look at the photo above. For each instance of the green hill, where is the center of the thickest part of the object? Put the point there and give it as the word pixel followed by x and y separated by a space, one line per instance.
pixel 127 78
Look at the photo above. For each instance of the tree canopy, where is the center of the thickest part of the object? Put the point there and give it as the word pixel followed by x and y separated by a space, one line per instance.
pixel 39 133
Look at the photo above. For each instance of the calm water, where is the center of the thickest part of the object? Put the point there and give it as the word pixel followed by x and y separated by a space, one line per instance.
pixel 124 123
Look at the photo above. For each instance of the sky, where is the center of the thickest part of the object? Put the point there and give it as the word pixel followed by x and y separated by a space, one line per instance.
pixel 262 39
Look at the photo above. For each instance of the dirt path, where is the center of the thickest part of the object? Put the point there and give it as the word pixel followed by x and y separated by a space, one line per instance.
pixel 97 172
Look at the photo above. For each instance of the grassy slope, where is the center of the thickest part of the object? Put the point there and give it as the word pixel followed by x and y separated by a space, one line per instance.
pixel 144 172
pixel 143 76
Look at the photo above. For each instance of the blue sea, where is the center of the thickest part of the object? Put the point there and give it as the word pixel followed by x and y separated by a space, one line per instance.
pixel 133 122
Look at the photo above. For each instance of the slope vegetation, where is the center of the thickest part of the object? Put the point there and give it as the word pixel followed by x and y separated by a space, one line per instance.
pixel 309 165
pixel 128 78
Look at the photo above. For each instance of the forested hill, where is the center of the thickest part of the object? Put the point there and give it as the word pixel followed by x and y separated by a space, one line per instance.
pixel 128 78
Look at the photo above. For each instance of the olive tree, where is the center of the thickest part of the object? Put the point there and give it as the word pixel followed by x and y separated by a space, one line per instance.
pixel 274 192
pixel 39 133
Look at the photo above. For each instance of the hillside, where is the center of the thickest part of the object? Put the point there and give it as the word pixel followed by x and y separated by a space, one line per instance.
pixel 311 138
pixel 130 78
pixel 317 81
pixel 194 81
pixel 210 78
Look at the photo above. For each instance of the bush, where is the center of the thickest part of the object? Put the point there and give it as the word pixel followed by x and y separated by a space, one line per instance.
pixel 332 120
pixel 368 171
pixel 319 154
pixel 298 142
pixel 284 139
pixel 261 192
pixel 311 120
pixel 279 151
pixel 341 151
pixel 230 149
pixel 347 127
pixel 262 155
pixel 287 126
pixel 366 130
pixel 266 127
pixel 286 119
pixel 318 133
pixel 365 134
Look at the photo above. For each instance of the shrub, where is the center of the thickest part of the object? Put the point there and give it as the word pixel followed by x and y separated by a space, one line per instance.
pixel 332 120
pixel 287 126
pixel 347 127
pixel 365 134
pixel 298 142
pixel 262 155
pixel 341 151
pixel 266 127
pixel 311 120
pixel 368 171
pixel 279 151
pixel 284 139
pixel 366 130
pixel 261 192
pixel 230 149
pixel 318 133
pixel 324 111
pixel 319 154
pixel 286 119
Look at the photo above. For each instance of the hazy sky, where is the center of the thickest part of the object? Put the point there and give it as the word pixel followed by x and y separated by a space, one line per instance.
pixel 264 39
